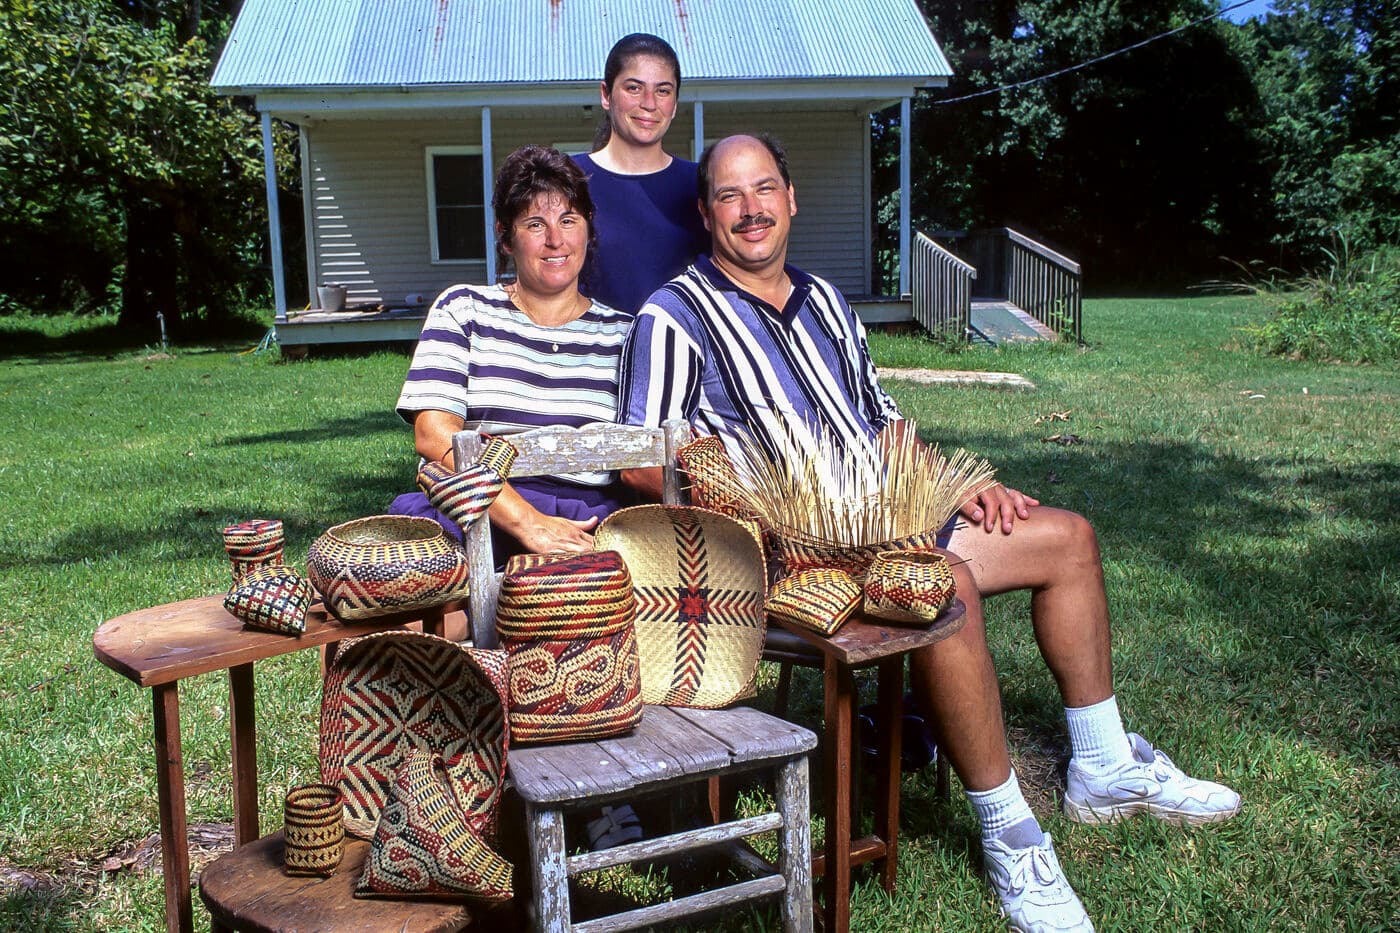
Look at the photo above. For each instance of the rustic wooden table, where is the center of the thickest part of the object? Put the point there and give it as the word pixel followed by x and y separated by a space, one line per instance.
pixel 861 642
pixel 159 647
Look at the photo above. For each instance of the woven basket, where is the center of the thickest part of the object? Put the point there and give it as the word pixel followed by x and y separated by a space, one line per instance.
pixel 568 627
pixel 909 587
pixel 820 600
pixel 423 847
pixel 699 581
pixel 271 597
pixel 253 543
pixel 390 693
pixel 465 495
pixel 314 830
pixel 385 564
pixel 801 552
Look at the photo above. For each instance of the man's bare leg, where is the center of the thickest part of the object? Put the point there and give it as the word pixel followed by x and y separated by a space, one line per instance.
pixel 1055 555
pixel 956 685
pixel 1112 774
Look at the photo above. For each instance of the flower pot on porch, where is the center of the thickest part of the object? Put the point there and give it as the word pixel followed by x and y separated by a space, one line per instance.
pixel 331 297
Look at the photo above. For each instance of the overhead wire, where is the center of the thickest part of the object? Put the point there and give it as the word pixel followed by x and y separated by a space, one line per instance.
pixel 1095 60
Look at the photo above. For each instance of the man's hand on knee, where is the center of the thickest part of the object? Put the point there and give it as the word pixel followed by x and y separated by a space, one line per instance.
pixel 999 505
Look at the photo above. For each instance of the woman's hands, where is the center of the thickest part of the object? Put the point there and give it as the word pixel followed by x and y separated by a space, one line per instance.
pixel 549 534
pixel 537 532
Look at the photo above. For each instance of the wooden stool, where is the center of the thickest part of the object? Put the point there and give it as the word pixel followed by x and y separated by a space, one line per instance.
pixel 247 889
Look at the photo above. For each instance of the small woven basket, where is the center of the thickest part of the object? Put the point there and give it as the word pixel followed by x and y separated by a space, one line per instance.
pixel 314 830
pixel 271 597
pixel 819 599
pixel 253 543
pixel 385 564
pixel 909 587
pixel 567 625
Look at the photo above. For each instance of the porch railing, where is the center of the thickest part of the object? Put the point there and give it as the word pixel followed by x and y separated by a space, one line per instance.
pixel 941 286
pixel 1044 284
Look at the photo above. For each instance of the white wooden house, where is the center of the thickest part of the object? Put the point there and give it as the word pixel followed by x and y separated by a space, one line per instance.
pixel 406 107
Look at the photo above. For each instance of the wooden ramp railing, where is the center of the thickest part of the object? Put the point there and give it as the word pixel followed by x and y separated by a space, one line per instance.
pixel 941 286
pixel 1044 284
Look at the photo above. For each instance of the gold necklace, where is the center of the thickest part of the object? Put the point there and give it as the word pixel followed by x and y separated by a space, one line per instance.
pixel 580 305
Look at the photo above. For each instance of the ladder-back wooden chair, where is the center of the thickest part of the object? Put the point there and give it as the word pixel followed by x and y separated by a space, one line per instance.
pixel 672 748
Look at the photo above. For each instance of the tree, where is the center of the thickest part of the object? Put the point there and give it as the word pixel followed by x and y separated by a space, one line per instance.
pixel 119 161
pixel 1147 166
pixel 1328 72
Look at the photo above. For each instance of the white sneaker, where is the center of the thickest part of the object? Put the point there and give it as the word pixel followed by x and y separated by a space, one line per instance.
pixel 1150 783
pixel 1034 893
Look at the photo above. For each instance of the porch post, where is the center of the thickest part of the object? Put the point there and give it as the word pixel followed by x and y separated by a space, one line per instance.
pixel 274 221
pixel 904 233
pixel 488 183
pixel 699 145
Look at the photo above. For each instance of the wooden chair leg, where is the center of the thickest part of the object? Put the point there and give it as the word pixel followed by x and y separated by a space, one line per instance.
pixel 780 697
pixel 550 874
pixel 795 845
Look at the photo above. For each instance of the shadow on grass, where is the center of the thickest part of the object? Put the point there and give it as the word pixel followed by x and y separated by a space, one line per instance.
pixel 1298 556
pixel 72 339
pixel 368 423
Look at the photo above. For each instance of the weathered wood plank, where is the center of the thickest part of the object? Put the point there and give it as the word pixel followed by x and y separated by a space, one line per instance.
pixel 674 843
pixel 751 735
pixel 549 870
pixel 735 894
pixel 795 845
pixel 663 749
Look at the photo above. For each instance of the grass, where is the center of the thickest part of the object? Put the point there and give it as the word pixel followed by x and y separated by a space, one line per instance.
pixel 1245 506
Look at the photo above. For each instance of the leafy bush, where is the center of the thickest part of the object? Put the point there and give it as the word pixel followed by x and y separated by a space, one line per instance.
pixel 1349 313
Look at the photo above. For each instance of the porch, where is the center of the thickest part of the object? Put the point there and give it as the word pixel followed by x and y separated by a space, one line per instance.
pixel 1024 291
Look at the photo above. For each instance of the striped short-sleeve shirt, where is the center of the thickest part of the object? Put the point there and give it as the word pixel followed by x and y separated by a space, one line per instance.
pixel 705 350
pixel 480 358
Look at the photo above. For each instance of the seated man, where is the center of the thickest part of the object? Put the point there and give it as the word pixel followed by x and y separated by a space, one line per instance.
pixel 742 342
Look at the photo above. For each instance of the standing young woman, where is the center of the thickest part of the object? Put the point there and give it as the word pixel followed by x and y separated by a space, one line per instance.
pixel 648 222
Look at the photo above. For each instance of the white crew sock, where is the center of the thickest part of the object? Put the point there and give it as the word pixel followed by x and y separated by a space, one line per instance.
pixel 1003 808
pixel 1096 736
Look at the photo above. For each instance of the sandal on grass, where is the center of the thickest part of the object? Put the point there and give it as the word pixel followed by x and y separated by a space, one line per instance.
pixel 613 827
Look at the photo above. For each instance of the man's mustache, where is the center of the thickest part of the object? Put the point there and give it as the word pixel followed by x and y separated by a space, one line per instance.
pixel 755 222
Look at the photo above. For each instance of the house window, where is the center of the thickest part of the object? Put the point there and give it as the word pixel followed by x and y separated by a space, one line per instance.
pixel 456 206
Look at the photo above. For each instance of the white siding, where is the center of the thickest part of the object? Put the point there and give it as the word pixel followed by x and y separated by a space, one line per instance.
pixel 369 205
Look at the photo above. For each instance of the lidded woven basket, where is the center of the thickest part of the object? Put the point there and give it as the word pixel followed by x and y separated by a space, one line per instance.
pixel 568 627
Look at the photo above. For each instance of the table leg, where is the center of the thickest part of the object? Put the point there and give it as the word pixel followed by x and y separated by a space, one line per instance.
pixel 170 793
pixel 244 739
pixel 890 693
pixel 839 691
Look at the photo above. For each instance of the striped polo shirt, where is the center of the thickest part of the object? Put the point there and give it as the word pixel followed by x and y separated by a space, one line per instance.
pixel 728 362
pixel 480 358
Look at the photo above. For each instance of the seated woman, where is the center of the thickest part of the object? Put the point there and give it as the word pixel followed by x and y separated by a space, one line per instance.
pixel 524 355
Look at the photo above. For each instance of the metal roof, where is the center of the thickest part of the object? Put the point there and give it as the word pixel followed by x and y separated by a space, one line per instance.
pixel 378 44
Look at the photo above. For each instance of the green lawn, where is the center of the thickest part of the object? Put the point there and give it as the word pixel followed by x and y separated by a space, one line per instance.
pixel 1246 508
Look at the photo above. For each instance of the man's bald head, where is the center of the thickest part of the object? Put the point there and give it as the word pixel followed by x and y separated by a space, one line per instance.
pixel 717 150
